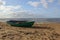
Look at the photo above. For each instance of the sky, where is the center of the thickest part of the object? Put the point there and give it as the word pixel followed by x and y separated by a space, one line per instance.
pixel 29 8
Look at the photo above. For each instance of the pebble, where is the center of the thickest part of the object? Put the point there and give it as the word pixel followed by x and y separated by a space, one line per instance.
pixel 39 34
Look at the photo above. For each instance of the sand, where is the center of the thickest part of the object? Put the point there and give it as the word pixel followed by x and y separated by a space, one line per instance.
pixel 44 31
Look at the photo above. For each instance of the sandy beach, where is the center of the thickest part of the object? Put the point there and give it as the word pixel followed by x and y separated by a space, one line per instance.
pixel 41 31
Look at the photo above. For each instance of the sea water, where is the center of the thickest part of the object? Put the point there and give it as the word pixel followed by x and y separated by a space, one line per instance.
pixel 32 19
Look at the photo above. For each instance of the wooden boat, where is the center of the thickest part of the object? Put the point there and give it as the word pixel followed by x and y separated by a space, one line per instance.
pixel 21 23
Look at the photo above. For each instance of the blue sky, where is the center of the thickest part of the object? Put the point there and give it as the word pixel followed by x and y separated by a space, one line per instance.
pixel 29 8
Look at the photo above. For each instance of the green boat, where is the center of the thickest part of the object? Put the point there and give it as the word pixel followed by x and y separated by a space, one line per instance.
pixel 21 23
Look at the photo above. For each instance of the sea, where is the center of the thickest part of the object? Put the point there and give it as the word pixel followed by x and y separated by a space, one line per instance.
pixel 32 19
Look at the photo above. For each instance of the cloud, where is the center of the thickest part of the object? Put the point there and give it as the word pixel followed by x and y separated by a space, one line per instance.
pixel 7 11
pixel 51 1
pixel 9 8
pixel 23 14
pixel 43 2
pixel 34 4
pixel 2 2
pixel 14 11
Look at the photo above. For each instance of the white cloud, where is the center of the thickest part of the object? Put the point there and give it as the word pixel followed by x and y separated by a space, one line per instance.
pixel 51 1
pixel 23 14
pixel 43 2
pixel 35 4
pixel 9 8
pixel 7 11
pixel 2 2
pixel 13 11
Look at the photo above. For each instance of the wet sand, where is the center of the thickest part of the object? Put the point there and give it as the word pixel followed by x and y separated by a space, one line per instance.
pixel 44 31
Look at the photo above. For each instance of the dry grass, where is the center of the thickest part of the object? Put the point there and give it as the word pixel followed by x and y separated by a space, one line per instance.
pixel 42 31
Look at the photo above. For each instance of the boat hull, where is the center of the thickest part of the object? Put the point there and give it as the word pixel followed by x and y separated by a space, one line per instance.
pixel 25 24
